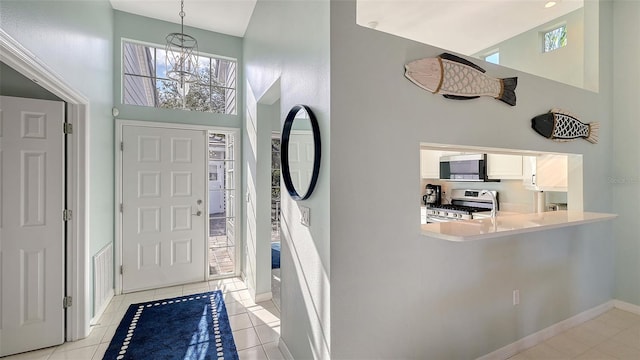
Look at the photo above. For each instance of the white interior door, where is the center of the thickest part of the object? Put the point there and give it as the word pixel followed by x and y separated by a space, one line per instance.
pixel 31 225
pixel 164 213
pixel 301 157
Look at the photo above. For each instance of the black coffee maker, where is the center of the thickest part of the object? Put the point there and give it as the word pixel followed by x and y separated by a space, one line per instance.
pixel 433 196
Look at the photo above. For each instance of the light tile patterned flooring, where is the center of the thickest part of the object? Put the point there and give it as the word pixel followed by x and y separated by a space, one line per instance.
pixel 610 336
pixel 256 327
pixel 221 260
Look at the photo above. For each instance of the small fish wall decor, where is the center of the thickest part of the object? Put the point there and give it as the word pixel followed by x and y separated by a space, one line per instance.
pixel 561 125
pixel 459 79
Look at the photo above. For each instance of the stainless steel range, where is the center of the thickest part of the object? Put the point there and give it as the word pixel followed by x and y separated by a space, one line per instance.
pixel 465 205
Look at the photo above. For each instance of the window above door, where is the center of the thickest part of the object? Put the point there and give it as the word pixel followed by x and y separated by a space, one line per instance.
pixel 145 82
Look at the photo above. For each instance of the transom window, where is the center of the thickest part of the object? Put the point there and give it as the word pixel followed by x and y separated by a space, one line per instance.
pixel 493 57
pixel 145 82
pixel 555 39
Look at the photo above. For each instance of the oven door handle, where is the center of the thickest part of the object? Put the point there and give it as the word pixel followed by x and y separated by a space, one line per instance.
pixel 439 219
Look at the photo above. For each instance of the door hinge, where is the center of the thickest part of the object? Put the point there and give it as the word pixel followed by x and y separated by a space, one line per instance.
pixel 121 145
pixel 121 207
pixel 121 269
pixel 68 128
pixel 67 301
pixel 66 215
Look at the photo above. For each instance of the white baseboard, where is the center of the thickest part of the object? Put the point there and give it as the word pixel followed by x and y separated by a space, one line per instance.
pixel 551 331
pixel 284 350
pixel 99 312
pixel 632 308
pixel 263 297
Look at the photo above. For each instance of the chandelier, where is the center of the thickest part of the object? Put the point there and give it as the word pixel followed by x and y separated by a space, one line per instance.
pixel 182 56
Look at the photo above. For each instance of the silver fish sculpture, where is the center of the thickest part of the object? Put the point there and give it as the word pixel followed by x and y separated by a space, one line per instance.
pixel 561 125
pixel 459 79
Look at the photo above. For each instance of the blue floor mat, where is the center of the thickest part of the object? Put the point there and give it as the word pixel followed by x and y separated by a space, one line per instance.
pixel 275 255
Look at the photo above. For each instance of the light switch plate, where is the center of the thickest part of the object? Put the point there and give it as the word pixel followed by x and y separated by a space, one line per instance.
pixel 305 216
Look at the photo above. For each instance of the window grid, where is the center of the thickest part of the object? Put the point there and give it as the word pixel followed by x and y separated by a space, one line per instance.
pixel 145 82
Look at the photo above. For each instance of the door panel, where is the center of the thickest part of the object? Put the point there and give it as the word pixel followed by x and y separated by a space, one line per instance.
pixel 301 157
pixel 163 222
pixel 31 226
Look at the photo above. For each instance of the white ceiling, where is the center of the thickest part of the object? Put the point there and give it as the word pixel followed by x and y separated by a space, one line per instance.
pixel 463 26
pixel 223 16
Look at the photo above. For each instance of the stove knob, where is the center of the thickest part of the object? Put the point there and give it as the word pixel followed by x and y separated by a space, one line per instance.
pixel 446 213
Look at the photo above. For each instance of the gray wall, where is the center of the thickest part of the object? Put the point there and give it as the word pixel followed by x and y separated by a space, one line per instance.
pixel 289 41
pixel 565 64
pixel 398 294
pixel 74 39
pixel 140 28
pixel 625 178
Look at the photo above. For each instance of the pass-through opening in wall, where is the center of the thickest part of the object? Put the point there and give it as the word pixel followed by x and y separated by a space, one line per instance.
pixel 530 181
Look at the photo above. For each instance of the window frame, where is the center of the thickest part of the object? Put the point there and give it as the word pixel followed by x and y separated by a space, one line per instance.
pixel 155 78
pixel 543 35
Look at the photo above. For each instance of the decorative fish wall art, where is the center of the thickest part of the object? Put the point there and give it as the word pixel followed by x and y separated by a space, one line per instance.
pixel 561 125
pixel 459 79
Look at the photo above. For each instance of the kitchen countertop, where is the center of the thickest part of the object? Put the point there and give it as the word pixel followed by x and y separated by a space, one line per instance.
pixel 504 225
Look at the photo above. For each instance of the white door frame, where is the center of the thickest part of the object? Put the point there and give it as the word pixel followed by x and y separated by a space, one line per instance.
pixel 120 123
pixel 22 60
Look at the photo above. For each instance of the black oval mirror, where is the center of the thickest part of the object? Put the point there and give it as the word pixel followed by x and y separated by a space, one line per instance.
pixel 300 152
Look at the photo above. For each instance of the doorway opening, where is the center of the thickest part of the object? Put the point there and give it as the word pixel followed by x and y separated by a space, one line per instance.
pixel 17 57
pixel 222 244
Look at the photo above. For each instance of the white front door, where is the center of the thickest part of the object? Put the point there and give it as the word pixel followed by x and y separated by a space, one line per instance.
pixel 164 213
pixel 31 224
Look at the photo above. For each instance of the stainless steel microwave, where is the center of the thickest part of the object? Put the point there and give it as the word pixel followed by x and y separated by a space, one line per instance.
pixel 467 167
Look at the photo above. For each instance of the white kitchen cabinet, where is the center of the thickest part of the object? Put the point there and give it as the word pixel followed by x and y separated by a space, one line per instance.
pixel 545 172
pixel 505 167
pixel 430 164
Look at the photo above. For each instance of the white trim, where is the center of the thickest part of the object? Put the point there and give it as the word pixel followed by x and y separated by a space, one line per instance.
pixel 549 332
pixel 99 312
pixel 120 123
pixel 284 349
pixel 22 60
pixel 622 305
pixel 266 296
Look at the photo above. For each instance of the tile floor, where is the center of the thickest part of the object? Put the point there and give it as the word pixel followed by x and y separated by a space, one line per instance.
pixel 275 287
pixel 610 336
pixel 256 327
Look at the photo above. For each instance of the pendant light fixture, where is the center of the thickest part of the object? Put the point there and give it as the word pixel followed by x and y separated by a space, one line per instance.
pixel 182 56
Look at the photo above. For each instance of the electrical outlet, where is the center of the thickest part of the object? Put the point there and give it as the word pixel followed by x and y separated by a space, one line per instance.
pixel 305 216
pixel 516 297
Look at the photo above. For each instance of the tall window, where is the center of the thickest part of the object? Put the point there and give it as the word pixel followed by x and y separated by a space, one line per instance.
pixel 145 82
pixel 555 39
pixel 223 252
